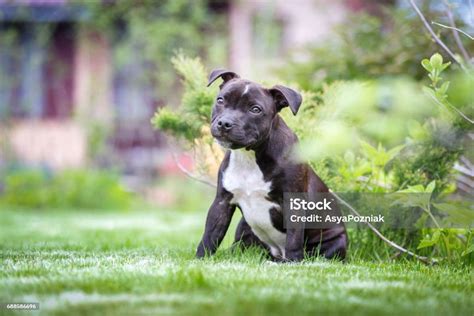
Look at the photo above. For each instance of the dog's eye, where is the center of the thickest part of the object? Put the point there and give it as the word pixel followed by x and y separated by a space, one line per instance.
pixel 220 100
pixel 255 109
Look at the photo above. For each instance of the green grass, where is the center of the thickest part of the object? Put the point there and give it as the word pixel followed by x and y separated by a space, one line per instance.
pixel 142 263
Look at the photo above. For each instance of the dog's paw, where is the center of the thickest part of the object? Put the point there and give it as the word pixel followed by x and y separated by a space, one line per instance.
pixel 278 260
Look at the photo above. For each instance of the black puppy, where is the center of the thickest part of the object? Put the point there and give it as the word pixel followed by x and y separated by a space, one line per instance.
pixel 257 169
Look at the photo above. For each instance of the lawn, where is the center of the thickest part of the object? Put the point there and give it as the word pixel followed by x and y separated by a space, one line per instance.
pixel 142 263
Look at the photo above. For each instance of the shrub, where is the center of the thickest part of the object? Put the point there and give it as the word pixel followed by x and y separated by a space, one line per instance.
pixel 77 189
pixel 365 136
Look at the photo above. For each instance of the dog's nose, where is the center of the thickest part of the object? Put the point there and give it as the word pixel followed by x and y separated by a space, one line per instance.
pixel 224 124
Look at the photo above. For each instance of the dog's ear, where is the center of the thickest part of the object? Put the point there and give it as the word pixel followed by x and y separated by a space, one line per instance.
pixel 284 97
pixel 225 74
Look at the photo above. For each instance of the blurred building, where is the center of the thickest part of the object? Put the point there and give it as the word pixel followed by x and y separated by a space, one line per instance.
pixel 261 32
pixel 61 89
pixel 265 33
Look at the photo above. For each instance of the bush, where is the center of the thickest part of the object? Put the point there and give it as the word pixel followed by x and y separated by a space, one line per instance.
pixel 78 189
pixel 194 113
pixel 365 136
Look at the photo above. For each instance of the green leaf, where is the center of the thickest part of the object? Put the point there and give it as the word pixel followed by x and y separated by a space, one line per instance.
pixel 429 91
pixel 425 243
pixel 444 88
pixel 411 200
pixel 368 150
pixel 430 241
pixel 444 66
pixel 468 250
pixel 417 131
pixel 436 61
pixel 430 187
pixel 426 64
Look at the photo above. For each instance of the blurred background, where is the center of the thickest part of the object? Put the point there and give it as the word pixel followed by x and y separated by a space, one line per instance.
pixel 107 165
pixel 80 81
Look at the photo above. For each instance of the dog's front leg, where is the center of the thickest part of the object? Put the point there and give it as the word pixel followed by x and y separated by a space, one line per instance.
pixel 294 249
pixel 217 223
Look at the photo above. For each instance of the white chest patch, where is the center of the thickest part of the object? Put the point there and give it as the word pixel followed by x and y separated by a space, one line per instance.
pixel 244 179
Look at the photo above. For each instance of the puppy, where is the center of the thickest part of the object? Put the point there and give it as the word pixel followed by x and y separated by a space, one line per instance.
pixel 258 168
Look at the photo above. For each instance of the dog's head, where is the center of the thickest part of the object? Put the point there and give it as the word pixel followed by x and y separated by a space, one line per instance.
pixel 244 111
